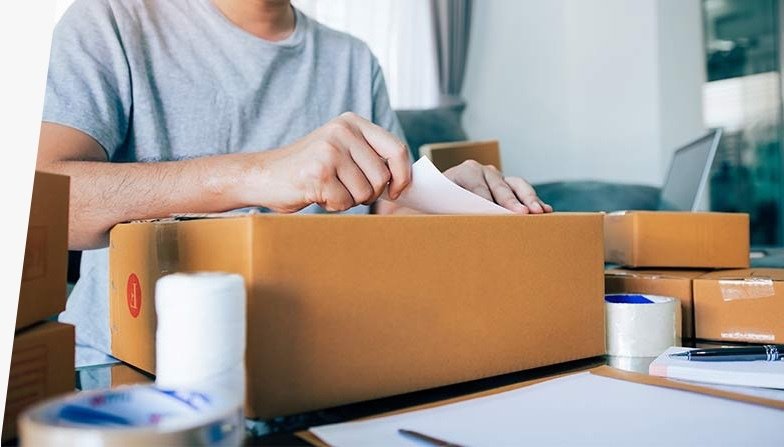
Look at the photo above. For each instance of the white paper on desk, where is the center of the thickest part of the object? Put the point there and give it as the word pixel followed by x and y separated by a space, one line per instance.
pixel 580 409
pixel 431 192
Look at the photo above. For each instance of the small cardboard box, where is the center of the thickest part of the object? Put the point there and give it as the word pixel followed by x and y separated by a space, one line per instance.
pixel 343 309
pixel 42 366
pixel 740 305
pixel 673 283
pixel 42 291
pixel 667 239
pixel 447 155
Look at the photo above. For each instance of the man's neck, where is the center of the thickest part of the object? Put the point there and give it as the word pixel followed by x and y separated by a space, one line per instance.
pixel 268 19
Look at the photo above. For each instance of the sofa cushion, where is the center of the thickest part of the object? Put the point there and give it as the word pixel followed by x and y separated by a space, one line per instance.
pixel 589 196
pixel 438 125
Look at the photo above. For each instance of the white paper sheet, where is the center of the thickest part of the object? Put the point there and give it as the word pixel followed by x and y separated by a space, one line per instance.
pixel 581 409
pixel 431 192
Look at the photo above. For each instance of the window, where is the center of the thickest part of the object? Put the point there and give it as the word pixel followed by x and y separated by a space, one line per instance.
pixel 743 95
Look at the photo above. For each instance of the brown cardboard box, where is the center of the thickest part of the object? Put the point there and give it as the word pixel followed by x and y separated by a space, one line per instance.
pixel 42 292
pixel 740 305
pixel 349 308
pixel 672 283
pixel 677 239
pixel 42 366
pixel 447 155
pixel 122 374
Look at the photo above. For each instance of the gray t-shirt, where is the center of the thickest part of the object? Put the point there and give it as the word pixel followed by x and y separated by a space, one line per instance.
pixel 168 80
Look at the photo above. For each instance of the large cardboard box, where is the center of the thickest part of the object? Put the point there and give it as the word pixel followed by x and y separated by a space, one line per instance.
pixel 42 366
pixel 740 305
pixel 42 292
pixel 673 283
pixel 677 239
pixel 349 308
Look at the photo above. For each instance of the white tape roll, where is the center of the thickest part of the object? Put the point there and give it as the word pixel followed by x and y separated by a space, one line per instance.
pixel 639 325
pixel 200 341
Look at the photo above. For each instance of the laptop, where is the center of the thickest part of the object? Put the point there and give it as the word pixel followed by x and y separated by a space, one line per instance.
pixel 689 173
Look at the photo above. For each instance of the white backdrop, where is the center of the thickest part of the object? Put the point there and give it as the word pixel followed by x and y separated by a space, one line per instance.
pixel 25 37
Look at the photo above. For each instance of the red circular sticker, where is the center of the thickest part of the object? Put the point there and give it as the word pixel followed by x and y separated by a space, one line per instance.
pixel 133 292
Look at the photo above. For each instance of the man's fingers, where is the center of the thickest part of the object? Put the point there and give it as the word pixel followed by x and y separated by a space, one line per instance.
pixel 335 196
pixel 502 192
pixel 374 169
pixel 389 148
pixel 526 194
pixel 469 175
pixel 355 182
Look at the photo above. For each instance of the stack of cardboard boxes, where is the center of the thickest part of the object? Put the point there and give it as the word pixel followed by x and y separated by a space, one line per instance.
pixel 702 260
pixel 42 360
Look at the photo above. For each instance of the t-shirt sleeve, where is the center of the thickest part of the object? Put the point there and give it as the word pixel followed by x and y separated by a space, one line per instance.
pixel 383 115
pixel 88 85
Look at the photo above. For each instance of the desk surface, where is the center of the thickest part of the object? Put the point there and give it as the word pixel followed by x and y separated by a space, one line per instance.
pixel 280 431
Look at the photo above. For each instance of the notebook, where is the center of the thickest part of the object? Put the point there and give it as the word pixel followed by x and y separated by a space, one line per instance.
pixel 752 374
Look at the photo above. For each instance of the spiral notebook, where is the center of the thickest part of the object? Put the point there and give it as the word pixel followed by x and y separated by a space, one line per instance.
pixel 750 374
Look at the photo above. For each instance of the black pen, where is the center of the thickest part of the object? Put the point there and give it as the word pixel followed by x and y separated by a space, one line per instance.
pixel 769 353
pixel 429 439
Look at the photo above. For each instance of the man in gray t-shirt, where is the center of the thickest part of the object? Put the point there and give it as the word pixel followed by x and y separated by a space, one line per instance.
pixel 159 107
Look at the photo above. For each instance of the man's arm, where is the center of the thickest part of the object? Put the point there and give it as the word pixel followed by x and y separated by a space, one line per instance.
pixel 347 162
pixel 104 194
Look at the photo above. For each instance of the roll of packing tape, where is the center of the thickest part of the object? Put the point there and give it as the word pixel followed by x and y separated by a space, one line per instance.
pixel 132 416
pixel 639 325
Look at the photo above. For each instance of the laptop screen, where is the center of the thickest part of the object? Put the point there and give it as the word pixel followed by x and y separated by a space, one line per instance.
pixel 685 178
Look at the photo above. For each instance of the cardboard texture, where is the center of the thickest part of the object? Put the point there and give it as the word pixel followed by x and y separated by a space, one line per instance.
pixel 447 155
pixel 42 292
pixel 677 239
pixel 673 283
pixel 740 305
pixel 42 366
pixel 350 308
pixel 122 374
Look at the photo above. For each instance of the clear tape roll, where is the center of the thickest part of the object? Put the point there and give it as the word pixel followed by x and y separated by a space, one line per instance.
pixel 639 325
pixel 199 392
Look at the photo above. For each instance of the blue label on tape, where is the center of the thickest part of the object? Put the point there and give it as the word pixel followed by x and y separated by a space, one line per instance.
pixel 627 299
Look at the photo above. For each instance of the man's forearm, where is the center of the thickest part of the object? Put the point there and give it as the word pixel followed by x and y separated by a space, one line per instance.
pixel 104 194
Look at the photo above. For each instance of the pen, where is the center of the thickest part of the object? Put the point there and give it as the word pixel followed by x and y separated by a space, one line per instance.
pixel 429 439
pixel 770 353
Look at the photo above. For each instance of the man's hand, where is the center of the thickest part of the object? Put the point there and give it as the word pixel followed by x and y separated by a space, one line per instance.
pixel 346 162
pixel 513 193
